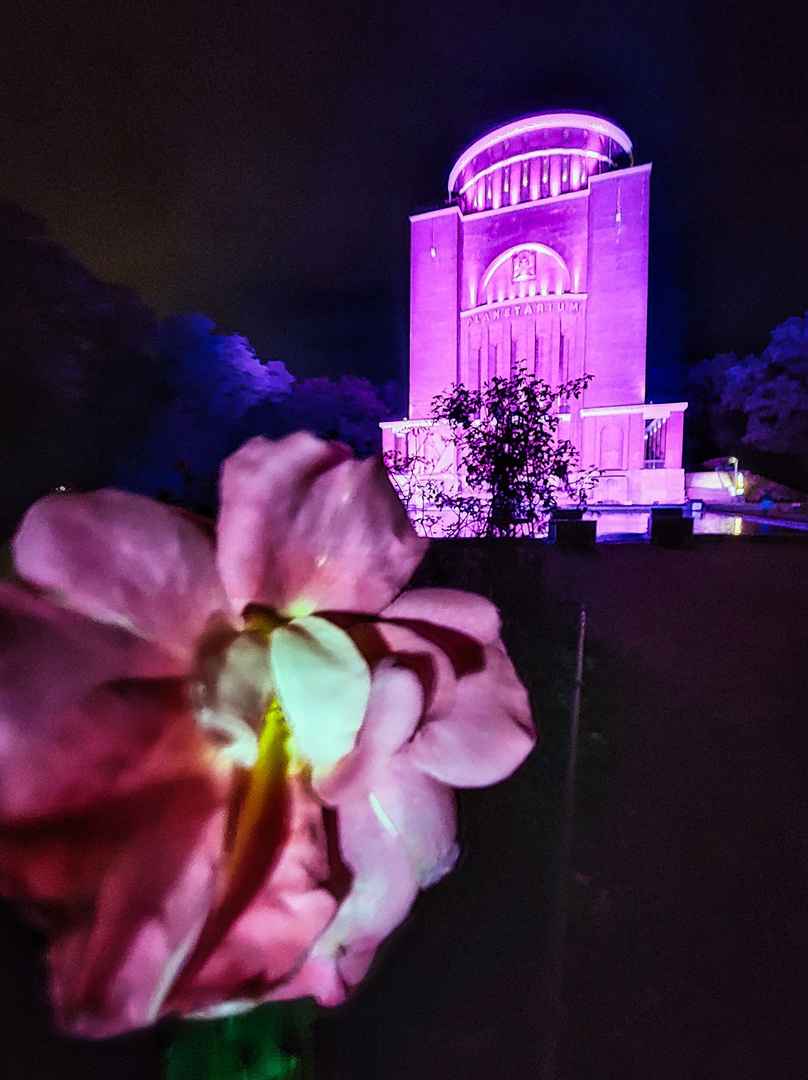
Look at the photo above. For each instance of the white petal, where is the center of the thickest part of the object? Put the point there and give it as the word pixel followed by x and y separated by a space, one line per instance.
pixel 323 685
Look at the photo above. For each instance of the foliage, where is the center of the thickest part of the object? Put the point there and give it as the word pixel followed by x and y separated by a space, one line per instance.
pixel 515 466
pixel 98 391
pixel 214 379
pixel 82 372
pixel 711 429
pixel 774 392
pixel 757 402
pixel 347 409
pixel 423 495
pixel 218 373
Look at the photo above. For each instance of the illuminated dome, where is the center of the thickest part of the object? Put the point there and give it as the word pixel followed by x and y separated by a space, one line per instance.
pixel 536 158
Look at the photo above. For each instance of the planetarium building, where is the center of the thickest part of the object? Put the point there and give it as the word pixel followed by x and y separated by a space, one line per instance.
pixel 540 260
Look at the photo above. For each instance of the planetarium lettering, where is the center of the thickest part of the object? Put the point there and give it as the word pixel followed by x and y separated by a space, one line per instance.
pixel 516 310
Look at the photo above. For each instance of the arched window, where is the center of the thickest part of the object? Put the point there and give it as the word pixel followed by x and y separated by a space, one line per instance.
pixel 524 270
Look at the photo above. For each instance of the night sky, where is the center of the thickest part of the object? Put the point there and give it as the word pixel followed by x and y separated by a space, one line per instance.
pixel 257 161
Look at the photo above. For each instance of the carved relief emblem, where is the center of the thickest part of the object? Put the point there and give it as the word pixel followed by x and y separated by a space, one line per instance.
pixel 524 266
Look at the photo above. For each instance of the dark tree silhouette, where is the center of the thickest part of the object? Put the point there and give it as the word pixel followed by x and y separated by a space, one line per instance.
pixel 81 369
pixel 516 463
pixel 347 409
pixel 755 407
pixel 214 380
pixel 757 404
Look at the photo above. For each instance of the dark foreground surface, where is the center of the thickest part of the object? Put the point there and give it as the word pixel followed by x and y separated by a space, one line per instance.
pixel 686 950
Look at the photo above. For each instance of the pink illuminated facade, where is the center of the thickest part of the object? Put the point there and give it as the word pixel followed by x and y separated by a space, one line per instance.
pixel 541 260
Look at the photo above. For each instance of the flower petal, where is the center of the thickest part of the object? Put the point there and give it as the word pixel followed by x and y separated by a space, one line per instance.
pixel 427 660
pixel 323 684
pixel 462 611
pixel 478 725
pixel 396 832
pixel 485 734
pixel 304 529
pixel 268 942
pixel 100 768
pixel 397 839
pixel 87 711
pixel 149 921
pixel 119 939
pixel 123 559
pixel 394 709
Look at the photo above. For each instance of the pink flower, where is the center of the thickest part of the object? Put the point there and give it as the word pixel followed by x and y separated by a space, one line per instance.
pixel 226 768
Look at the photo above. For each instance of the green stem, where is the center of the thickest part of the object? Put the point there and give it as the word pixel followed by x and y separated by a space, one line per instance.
pixel 272 1042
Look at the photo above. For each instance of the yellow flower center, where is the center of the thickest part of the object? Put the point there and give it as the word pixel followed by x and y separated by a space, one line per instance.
pixel 272 766
pixel 258 829
pixel 308 665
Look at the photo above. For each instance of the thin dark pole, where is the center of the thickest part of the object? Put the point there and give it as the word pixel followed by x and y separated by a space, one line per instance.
pixel 558 940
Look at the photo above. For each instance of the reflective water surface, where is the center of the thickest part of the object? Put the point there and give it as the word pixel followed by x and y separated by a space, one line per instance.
pixel 626 525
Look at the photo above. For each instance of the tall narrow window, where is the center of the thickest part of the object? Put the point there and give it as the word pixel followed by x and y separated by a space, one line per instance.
pixel 562 342
pixel 655 437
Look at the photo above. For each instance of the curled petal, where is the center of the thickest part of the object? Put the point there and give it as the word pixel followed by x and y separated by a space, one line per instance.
pixel 485 734
pixel 322 683
pixel 427 660
pixel 478 726
pixel 464 612
pixel 396 834
pixel 394 709
pixel 229 690
pixel 397 838
pixel 303 528
pixel 123 559
pixel 441 634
